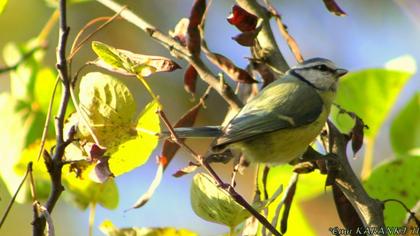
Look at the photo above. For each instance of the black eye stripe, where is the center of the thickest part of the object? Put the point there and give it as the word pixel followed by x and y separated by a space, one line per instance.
pixel 323 67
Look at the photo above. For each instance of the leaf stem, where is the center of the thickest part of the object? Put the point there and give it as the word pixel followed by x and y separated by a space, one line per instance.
pixel 92 213
pixel 368 158
pixel 149 90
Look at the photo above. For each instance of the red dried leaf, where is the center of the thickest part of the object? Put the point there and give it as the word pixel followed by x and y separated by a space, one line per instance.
pixel 180 31
pixel 227 66
pixel 346 211
pixel 169 148
pixel 186 170
pixel 333 7
pixel 196 17
pixel 94 151
pixel 242 19
pixel 190 79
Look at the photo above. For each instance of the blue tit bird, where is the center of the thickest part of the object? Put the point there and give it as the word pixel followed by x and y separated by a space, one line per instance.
pixel 279 124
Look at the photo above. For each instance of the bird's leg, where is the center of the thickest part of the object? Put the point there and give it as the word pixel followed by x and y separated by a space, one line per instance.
pixel 312 160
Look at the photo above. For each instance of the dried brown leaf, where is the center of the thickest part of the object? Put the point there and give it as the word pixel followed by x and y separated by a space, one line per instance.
pixel 196 16
pixel 346 211
pixel 287 205
pixel 333 7
pixel 190 79
pixel 357 135
pixel 186 170
pixel 143 199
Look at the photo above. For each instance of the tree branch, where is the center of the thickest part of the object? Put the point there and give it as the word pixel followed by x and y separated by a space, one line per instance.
pixel 173 46
pixel 54 164
pixel 369 210
pixel 269 52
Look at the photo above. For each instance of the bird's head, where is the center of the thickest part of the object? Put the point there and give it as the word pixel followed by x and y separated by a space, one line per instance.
pixel 320 73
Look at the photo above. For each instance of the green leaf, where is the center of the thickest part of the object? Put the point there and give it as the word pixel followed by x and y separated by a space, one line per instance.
pixel 136 151
pixel 370 94
pixel 309 186
pixel 40 173
pixel 12 142
pixel 405 129
pixel 44 85
pixel 110 230
pixel 109 55
pixel 3 4
pixel 397 179
pixel 84 191
pixel 213 204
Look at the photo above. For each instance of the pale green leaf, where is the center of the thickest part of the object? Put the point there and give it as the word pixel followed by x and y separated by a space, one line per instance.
pixel 3 4
pixel 110 230
pixel 213 204
pixel 405 129
pixel 398 179
pixel 130 64
pixel 136 151
pixel 12 141
pixel 370 94
pixel 108 106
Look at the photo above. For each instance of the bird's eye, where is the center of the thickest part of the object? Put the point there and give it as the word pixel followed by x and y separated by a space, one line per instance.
pixel 322 67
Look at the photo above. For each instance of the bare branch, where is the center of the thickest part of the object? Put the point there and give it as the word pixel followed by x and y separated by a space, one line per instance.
pixel 370 210
pixel 54 164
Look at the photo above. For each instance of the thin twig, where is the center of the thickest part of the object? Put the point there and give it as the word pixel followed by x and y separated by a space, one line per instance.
pixel 229 189
pixel 9 206
pixel 173 46
pixel 47 120
pixel 76 46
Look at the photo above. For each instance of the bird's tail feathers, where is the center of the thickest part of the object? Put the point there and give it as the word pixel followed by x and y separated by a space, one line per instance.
pixel 196 132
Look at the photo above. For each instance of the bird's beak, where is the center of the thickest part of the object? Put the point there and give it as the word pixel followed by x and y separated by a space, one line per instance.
pixel 340 72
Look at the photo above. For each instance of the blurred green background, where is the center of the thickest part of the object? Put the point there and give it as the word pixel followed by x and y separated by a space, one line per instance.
pixel 373 33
